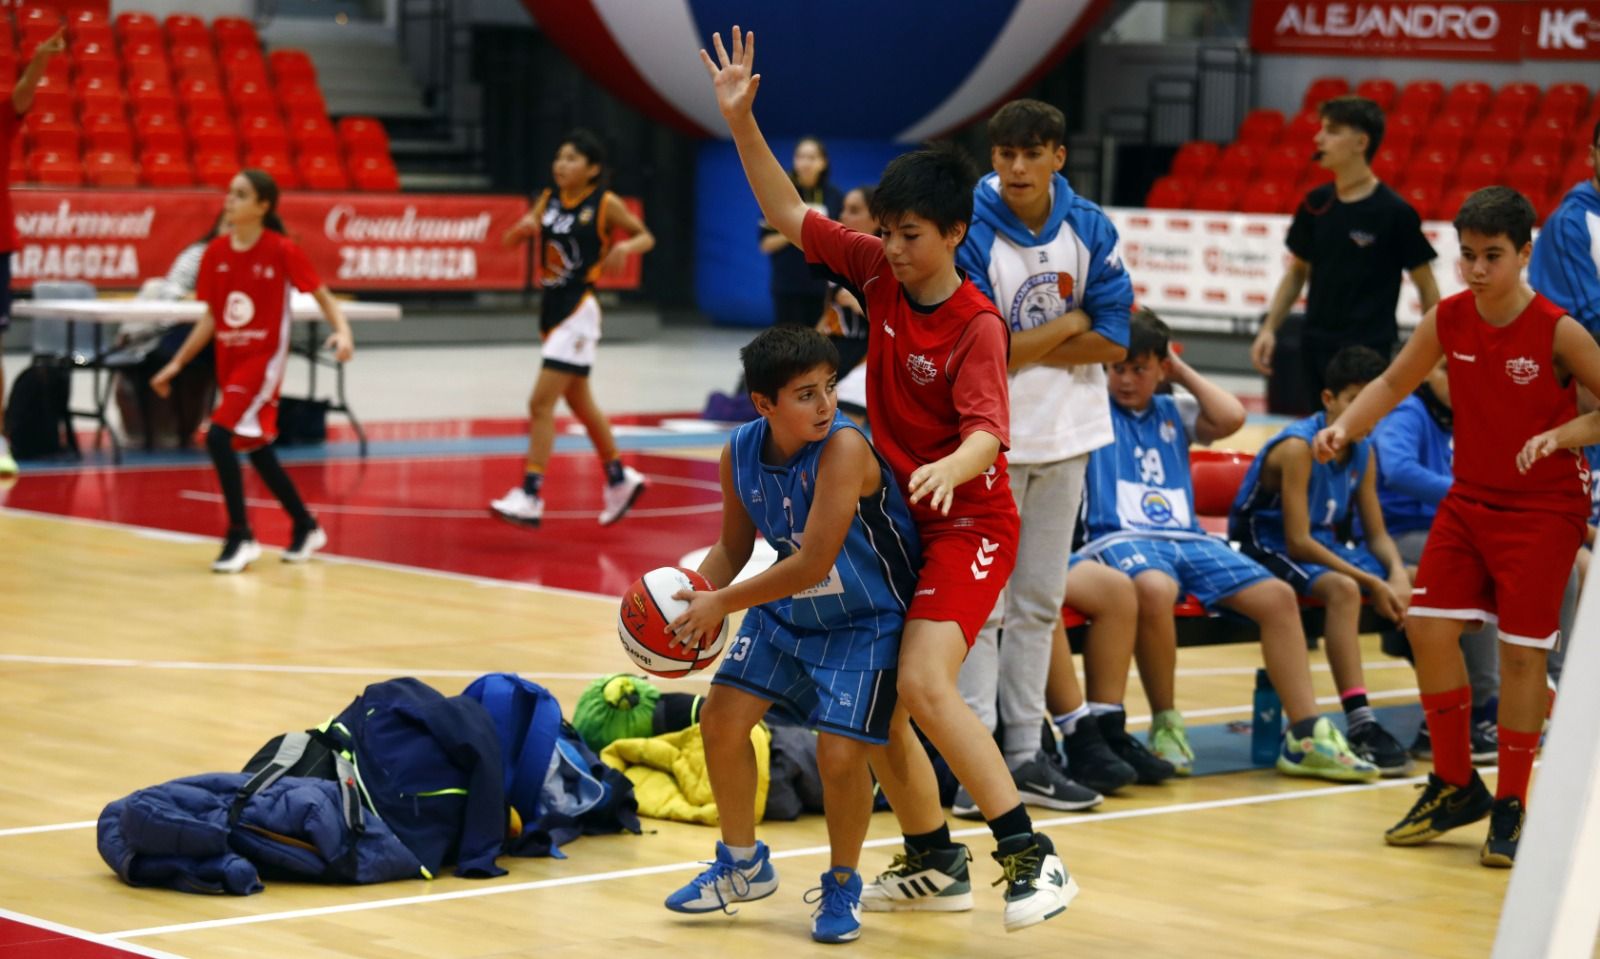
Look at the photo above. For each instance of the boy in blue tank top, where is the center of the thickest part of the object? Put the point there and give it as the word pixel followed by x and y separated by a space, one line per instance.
pixel 1140 519
pixel 1288 516
pixel 822 634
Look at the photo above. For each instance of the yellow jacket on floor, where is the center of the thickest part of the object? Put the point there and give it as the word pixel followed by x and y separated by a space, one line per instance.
pixel 669 776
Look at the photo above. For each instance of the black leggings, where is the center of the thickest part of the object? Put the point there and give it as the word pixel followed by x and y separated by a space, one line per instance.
pixel 219 443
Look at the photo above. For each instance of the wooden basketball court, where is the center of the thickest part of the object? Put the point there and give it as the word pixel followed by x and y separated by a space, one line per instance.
pixel 125 663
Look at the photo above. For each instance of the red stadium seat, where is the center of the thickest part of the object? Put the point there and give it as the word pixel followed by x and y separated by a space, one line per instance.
pixel 243 63
pixel 1216 478
pixel 1218 194
pixel 133 26
pixel 1422 194
pixel 374 174
pixel 303 105
pixel 1239 161
pixel 1480 167
pixel 311 134
pixel 19 162
pixel 1548 134
pixel 196 92
pixel 1269 196
pixel 1286 161
pixel 184 28
pixel 1323 89
pixel 235 31
pixel 1469 99
pixel 363 135
pixel 164 169
pixel 96 95
pixel 1421 99
pixel 1402 139
pixel 1167 193
pixel 1390 163
pixel 1499 130
pixel 1299 130
pixel 323 171
pixel 53 96
pixel 1449 202
pixel 1538 171
pixel 216 169
pixel 93 54
pixel 55 167
pixel 39 16
pixel 1433 164
pixel 290 65
pixel 1380 90
pixel 1195 159
pixel 276 163
pixel 53 132
pixel 269 140
pixel 1564 100
pixel 1577 170
pixel 213 133
pixel 1261 127
pixel 1314 177
pixel 1449 131
pixel 150 95
pixel 252 96
pixel 110 169
pixel 97 70
pixel 193 60
pixel 1518 98
pixel 87 20
pixel 108 132
pixel 160 131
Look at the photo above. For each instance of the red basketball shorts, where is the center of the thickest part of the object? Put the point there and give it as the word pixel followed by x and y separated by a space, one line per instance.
pixel 963 571
pixel 1498 565
pixel 247 406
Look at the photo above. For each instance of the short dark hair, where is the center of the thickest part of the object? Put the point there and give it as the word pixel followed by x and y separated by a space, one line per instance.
pixel 1353 366
pixel 590 145
pixel 934 183
pixel 1495 211
pixel 1358 113
pixel 1027 123
pixel 781 353
pixel 1148 335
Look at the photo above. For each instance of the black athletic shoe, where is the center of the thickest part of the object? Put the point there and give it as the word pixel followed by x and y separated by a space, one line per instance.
pixel 1038 886
pixel 1440 808
pixel 1041 782
pixel 1149 769
pixel 1505 830
pixel 1485 742
pixel 1422 746
pixel 239 550
pixel 1090 760
pixel 1373 743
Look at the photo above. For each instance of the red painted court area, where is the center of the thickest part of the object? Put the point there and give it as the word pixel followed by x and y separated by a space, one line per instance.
pixel 21 939
pixel 429 511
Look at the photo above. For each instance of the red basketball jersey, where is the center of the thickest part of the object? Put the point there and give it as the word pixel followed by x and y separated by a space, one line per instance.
pixel 1504 389
pixel 248 293
pixel 934 376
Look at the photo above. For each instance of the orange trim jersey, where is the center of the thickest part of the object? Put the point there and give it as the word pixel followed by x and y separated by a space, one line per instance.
pixel 573 241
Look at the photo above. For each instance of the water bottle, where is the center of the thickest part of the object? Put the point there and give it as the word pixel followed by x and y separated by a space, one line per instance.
pixel 1266 723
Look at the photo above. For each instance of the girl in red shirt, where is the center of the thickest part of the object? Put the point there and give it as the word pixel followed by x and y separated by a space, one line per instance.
pixel 245 278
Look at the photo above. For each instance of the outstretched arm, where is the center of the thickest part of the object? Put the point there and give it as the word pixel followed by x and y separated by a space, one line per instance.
pixel 22 96
pixel 341 341
pixel 735 83
pixel 1383 394
pixel 196 341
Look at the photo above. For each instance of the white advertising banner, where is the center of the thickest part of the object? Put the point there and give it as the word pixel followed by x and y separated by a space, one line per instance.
pixel 1227 265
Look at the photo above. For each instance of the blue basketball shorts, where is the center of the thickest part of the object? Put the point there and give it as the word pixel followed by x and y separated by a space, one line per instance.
pixel 1301 574
pixel 1208 568
pixel 856 703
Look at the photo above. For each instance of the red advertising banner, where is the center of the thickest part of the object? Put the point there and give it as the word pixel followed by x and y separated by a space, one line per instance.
pixel 116 239
pixel 1488 30
pixel 1562 31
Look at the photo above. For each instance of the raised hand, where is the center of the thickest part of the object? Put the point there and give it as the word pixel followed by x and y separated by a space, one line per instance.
pixel 54 44
pixel 734 78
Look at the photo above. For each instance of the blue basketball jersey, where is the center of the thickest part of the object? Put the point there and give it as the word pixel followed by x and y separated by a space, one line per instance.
pixel 1257 513
pixel 1141 482
pixel 1593 453
pixel 852 619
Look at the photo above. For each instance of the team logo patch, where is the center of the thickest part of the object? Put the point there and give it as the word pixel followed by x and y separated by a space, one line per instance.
pixel 1156 506
pixel 585 215
pixel 1168 431
pixel 1522 370
pixel 239 310
pixel 921 368
pixel 1362 239
pixel 1042 298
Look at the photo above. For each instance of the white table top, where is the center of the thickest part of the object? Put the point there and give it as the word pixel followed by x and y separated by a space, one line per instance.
pixel 303 308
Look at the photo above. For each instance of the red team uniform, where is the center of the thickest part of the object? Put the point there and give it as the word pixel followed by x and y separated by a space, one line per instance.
pixel 248 293
pixel 934 376
pixel 1503 542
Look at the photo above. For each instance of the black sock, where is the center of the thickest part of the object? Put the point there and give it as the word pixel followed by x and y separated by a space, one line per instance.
pixel 531 482
pixel 1304 728
pixel 929 841
pixel 219 443
pixel 265 460
pixel 1013 829
pixel 614 472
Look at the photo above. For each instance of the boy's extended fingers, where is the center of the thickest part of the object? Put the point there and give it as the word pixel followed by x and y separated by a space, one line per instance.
pixel 722 52
pixel 738 44
pixel 749 49
pixel 711 68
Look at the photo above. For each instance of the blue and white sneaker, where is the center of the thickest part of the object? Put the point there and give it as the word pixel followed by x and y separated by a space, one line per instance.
pixel 728 882
pixel 838 899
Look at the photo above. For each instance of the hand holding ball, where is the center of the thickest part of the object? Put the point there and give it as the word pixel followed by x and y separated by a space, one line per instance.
pixel 649 607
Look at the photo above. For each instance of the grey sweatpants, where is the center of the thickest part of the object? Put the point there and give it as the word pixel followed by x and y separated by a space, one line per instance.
pixel 1014 672
pixel 1480 648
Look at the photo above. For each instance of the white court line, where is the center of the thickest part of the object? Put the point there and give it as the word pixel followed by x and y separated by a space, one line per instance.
pixel 1321 701
pixel 410 512
pixel 201 666
pixel 85 935
pixel 1080 819
pixel 57 827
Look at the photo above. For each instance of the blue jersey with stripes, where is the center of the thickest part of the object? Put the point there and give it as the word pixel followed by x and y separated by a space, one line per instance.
pixel 1593 453
pixel 1257 513
pixel 1140 483
pixel 852 619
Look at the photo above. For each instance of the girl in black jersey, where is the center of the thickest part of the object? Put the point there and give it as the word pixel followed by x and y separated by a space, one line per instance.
pixel 573 222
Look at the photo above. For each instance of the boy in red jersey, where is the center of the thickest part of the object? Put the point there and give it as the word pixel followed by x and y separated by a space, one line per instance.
pixel 1504 538
pixel 244 282
pixel 938 405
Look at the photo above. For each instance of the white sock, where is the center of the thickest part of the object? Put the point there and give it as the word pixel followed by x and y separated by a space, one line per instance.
pixel 741 853
pixel 1068 722
pixel 5 447
pixel 1101 709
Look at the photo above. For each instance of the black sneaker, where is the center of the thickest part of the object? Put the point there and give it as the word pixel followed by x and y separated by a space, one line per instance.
pixel 1505 829
pixel 239 550
pixel 1485 742
pixel 305 541
pixel 1373 743
pixel 1038 886
pixel 1441 807
pixel 1422 746
pixel 1149 769
pixel 1041 783
pixel 1090 760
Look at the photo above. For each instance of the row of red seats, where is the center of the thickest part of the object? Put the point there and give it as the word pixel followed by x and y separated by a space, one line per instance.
pixel 1470 98
pixel 40 22
pixel 193 98
pixel 139 61
pixel 354 136
pixel 1265 129
pixel 107 168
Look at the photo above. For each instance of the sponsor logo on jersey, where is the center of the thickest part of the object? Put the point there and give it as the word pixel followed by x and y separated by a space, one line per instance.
pixel 1464 357
pixel 1041 298
pixel 1168 431
pixel 922 369
pixel 1522 370
pixel 239 310
pixel 1362 238
pixel 1156 506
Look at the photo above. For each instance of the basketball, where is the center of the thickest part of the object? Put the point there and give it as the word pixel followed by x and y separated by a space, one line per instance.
pixel 647 608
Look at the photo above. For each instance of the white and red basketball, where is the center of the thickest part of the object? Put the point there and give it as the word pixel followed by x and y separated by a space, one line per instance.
pixel 647 608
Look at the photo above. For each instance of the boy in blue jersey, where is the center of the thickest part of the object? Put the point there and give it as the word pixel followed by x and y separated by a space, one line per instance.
pixel 1140 519
pixel 823 629
pixel 1288 515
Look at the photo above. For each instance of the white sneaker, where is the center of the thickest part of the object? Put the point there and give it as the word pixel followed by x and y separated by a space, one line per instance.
pixel 305 542
pixel 1038 886
pixel 8 465
pixel 237 553
pixel 518 508
pixel 620 496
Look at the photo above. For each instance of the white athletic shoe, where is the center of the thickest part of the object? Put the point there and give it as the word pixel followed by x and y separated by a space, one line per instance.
pixel 620 496
pixel 518 508
pixel 305 542
pixel 935 881
pixel 1038 886
pixel 237 552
